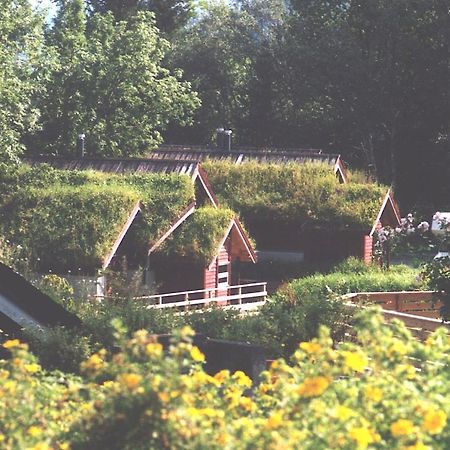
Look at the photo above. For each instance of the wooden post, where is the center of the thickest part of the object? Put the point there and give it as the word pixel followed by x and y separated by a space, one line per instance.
pixel 240 295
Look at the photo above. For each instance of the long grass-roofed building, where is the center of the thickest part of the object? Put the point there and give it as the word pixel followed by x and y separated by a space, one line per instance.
pixel 82 222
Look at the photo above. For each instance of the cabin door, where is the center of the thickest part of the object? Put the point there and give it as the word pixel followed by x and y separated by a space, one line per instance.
pixel 223 272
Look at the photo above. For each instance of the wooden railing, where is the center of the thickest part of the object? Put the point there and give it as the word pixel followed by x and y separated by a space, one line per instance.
pixel 418 303
pixel 242 296
pixel 417 309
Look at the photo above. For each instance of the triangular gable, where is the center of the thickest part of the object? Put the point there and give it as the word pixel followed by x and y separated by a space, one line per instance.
pixel 136 210
pixel 389 214
pixel 243 242
pixel 190 209
pixel 340 171
pixel 203 179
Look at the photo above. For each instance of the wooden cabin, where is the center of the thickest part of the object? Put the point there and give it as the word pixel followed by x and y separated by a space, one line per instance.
pixel 180 264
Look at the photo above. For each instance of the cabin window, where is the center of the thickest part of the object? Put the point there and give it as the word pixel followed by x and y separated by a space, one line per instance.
pixel 222 274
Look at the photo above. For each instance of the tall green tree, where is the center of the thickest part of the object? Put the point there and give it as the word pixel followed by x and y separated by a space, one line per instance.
pixel 170 15
pixel 111 85
pixel 22 62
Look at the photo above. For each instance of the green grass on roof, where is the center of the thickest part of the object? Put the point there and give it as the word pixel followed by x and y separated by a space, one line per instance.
pixel 69 219
pixel 306 194
pixel 200 236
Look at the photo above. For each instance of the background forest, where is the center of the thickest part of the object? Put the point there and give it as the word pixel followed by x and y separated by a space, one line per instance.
pixel 365 78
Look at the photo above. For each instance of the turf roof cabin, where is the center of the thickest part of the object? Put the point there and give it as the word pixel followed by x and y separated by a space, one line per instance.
pixel 129 213
pixel 297 212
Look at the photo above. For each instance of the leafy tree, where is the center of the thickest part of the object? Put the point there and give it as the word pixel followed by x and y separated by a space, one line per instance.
pixel 22 59
pixel 171 15
pixel 111 84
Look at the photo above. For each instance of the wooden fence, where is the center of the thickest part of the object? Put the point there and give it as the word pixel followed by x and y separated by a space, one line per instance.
pixel 419 310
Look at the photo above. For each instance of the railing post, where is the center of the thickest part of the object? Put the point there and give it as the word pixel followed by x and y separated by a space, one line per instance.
pixel 240 295
pixel 160 301
pixel 186 299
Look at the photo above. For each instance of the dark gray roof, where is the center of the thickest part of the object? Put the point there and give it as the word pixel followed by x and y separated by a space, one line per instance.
pixel 241 155
pixel 120 165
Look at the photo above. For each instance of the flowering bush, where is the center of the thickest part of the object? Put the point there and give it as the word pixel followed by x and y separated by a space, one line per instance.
pixel 385 390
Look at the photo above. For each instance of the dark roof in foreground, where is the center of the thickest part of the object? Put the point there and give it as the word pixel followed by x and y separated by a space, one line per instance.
pixel 120 165
pixel 23 306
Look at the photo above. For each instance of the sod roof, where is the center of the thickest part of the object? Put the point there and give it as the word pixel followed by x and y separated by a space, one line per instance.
pixel 71 220
pixel 308 195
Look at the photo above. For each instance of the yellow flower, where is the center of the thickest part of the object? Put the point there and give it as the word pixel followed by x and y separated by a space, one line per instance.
pixel 32 368
pixel 34 431
pixel 94 362
pixel 130 380
pixel 242 379
pixel 39 446
pixel 402 427
pixel 222 376
pixel 64 446
pixel 197 355
pixel 275 420
pixel 417 446
pixel 10 386
pixel 363 436
pixel 311 347
pixel 355 361
pixel 312 387
pixel 343 413
pixel 247 404
pixel 434 421
pixel 12 343
pixel 374 394
pixel 164 397
pixel 154 349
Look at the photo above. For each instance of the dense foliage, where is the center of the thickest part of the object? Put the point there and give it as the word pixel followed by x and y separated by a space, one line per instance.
pixel 307 195
pixel 385 390
pixel 355 276
pixel 200 236
pixel 70 220
pixel 110 83
pixel 22 61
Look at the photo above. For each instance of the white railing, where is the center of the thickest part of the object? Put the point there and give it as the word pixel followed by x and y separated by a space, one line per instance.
pixel 241 296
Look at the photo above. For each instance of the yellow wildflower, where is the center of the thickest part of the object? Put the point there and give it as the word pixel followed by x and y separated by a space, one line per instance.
pixel 247 404
pixel 39 446
pixel 417 446
pixel 154 349
pixel 34 431
pixel 434 421
pixel 64 446
pixel 275 420
pixel 402 427
pixel 222 376
pixel 164 397
pixel 197 355
pixel 343 413
pixel 311 347
pixel 130 380
pixel 242 379
pixel 373 393
pixel 363 436
pixel 94 362
pixel 355 361
pixel 32 368
pixel 10 386
pixel 12 343
pixel 312 387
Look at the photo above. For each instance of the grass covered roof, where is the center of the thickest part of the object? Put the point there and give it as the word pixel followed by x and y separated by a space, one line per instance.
pixel 67 220
pixel 200 236
pixel 306 195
